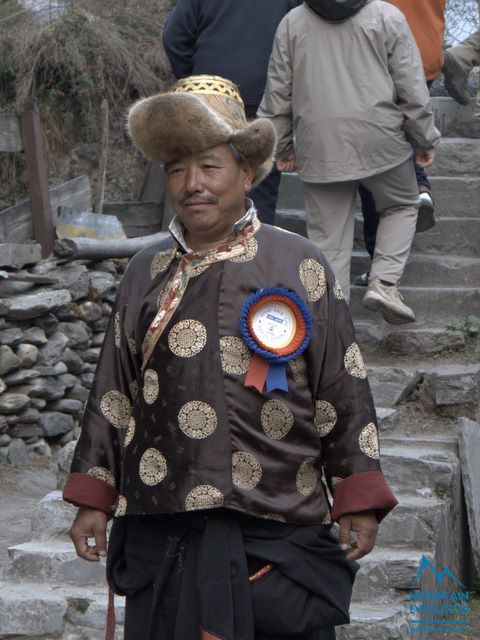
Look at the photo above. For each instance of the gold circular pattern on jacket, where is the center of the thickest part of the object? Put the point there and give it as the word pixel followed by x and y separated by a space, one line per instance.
pixel 116 408
pixel 354 362
pixel 246 470
pixel 325 417
pixel 204 497
pixel 277 419
pixel 153 467
pixel 249 254
pixel 187 338
pixel 197 419
pixel 160 263
pixel 130 432
pixel 234 355
pixel 100 473
pixel 299 369
pixel 337 290
pixel 151 387
pixel 307 477
pixel 312 276
pixel 368 441
pixel 116 325
pixel 121 509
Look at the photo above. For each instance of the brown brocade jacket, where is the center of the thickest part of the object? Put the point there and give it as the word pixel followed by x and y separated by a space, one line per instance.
pixel 170 426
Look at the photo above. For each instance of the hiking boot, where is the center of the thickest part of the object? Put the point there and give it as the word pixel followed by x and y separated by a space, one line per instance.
pixel 455 80
pixel 426 212
pixel 362 279
pixel 476 128
pixel 388 300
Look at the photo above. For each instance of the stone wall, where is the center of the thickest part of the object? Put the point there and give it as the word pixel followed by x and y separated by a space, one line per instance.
pixel 51 332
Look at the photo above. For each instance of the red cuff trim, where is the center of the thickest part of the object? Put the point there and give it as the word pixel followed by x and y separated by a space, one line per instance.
pixel 83 490
pixel 363 492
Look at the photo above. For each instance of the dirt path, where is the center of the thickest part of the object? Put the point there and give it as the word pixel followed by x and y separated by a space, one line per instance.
pixel 20 490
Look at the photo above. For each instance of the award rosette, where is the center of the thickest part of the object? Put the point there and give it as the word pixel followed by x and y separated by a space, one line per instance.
pixel 276 326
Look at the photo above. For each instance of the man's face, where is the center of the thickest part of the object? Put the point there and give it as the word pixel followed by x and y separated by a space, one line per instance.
pixel 208 192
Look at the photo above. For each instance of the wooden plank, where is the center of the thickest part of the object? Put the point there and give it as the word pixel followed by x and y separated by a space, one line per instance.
pixel 137 218
pixel 16 222
pixel 18 255
pixel 37 178
pixel 154 187
pixel 75 194
pixel 10 133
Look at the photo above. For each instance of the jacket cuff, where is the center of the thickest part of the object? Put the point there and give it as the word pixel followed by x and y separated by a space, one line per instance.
pixel 83 490
pixel 363 492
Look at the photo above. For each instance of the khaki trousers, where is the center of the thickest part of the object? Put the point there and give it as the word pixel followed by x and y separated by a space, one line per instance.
pixel 330 212
pixel 467 54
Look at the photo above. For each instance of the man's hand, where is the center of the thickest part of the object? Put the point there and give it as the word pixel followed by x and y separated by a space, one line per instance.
pixel 364 524
pixel 287 163
pixel 424 157
pixel 90 523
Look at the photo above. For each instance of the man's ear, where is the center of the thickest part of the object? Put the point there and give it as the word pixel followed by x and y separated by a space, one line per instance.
pixel 249 175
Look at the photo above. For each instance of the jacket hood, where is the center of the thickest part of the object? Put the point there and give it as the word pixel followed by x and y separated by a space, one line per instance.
pixel 336 10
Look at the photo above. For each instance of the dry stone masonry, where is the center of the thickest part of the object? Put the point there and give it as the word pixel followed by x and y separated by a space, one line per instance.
pixel 50 339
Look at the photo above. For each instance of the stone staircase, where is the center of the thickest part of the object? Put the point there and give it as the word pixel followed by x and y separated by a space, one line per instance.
pixel 442 284
pixel 47 593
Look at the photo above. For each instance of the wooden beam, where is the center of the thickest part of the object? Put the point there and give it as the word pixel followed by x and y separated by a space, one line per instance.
pixel 10 133
pixel 37 178
pixel 92 249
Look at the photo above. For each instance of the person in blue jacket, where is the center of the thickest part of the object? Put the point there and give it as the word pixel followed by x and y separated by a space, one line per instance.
pixel 232 39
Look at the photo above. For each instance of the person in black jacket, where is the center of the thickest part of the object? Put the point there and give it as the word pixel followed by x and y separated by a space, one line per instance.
pixel 234 40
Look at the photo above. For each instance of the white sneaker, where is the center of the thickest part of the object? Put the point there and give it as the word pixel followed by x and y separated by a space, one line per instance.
pixel 388 300
pixel 426 213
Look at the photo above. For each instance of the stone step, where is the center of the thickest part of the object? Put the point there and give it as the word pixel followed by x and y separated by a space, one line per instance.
pixel 425 443
pixel 428 270
pixel 413 523
pixel 414 340
pixel 52 517
pixel 455 196
pixel 63 611
pixel 456 157
pixel 415 469
pixel 390 385
pixel 451 118
pixel 52 561
pixel 386 568
pixel 444 304
pixel 376 621
pixel 449 237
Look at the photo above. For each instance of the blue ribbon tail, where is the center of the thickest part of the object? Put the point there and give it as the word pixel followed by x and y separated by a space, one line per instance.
pixel 277 378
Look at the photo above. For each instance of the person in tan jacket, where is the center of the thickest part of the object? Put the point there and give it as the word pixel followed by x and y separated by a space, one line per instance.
pixel 459 61
pixel 345 83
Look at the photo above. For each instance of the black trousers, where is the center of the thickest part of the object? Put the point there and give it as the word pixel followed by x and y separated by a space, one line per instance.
pixel 186 577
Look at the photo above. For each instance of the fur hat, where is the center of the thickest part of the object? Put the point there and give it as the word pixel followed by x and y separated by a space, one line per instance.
pixel 197 113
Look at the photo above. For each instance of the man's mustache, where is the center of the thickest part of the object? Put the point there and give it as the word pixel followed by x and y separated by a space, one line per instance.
pixel 197 200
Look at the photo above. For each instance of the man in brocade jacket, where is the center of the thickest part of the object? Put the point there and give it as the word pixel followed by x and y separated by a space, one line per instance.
pixel 229 381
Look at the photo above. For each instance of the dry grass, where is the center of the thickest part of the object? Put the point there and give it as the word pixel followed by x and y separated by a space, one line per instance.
pixel 90 51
